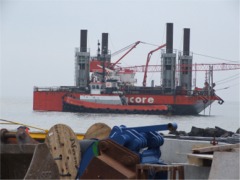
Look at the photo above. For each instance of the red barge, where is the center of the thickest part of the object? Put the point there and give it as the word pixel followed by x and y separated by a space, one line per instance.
pixel 104 87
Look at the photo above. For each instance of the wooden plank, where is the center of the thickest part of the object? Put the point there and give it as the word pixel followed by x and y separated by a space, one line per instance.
pixel 201 156
pixel 197 146
pixel 200 159
pixel 216 148
pixel 65 149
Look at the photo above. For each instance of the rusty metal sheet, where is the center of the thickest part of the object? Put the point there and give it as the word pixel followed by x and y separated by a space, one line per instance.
pixel 15 160
pixel 42 165
pixel 29 161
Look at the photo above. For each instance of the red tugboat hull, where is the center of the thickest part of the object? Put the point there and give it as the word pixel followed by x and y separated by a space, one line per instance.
pixel 73 104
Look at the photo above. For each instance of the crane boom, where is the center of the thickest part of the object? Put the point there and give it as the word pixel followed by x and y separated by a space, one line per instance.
pixel 148 60
pixel 136 43
pixel 195 67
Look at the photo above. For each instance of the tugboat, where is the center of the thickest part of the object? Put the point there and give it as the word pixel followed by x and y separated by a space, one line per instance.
pixel 104 87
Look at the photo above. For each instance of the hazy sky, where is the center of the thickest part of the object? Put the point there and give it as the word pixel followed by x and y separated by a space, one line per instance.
pixel 38 37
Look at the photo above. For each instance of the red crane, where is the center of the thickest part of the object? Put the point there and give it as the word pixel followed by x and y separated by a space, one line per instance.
pixel 148 60
pixel 195 67
pixel 114 64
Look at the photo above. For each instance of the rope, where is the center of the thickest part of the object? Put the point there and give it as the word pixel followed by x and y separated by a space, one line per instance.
pixel 12 122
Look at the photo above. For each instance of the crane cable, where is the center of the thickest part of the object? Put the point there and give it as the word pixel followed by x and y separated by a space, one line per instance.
pixel 226 81
pixel 150 44
pixel 233 76
pixel 227 87
pixel 215 57
pixel 153 72
pixel 129 46
pixel 121 50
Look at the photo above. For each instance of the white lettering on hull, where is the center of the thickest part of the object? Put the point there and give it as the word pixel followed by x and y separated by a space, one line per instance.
pixel 141 100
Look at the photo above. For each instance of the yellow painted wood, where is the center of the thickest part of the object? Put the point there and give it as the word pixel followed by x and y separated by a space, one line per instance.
pixel 42 135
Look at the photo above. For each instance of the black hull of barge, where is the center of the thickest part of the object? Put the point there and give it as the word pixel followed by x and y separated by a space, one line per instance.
pixel 190 109
pixel 73 108
pixel 174 110
pixel 184 110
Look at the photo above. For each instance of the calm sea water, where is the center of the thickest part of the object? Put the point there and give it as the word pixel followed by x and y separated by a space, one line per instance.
pixel 20 110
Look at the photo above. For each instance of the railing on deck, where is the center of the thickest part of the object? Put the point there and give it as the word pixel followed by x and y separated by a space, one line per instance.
pixel 59 88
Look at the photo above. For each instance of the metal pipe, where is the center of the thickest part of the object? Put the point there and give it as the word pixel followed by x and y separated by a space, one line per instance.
pixel 5 134
pixel 162 127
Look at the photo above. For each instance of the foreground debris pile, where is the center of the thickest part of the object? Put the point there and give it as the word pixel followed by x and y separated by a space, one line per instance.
pixel 114 153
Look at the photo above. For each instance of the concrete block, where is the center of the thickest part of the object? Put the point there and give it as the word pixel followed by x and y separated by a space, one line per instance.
pixel 225 165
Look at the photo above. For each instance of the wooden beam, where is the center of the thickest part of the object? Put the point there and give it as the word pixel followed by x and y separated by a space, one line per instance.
pixel 216 148
pixel 200 159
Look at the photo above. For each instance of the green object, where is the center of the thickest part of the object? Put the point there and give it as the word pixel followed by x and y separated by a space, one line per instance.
pixel 95 148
